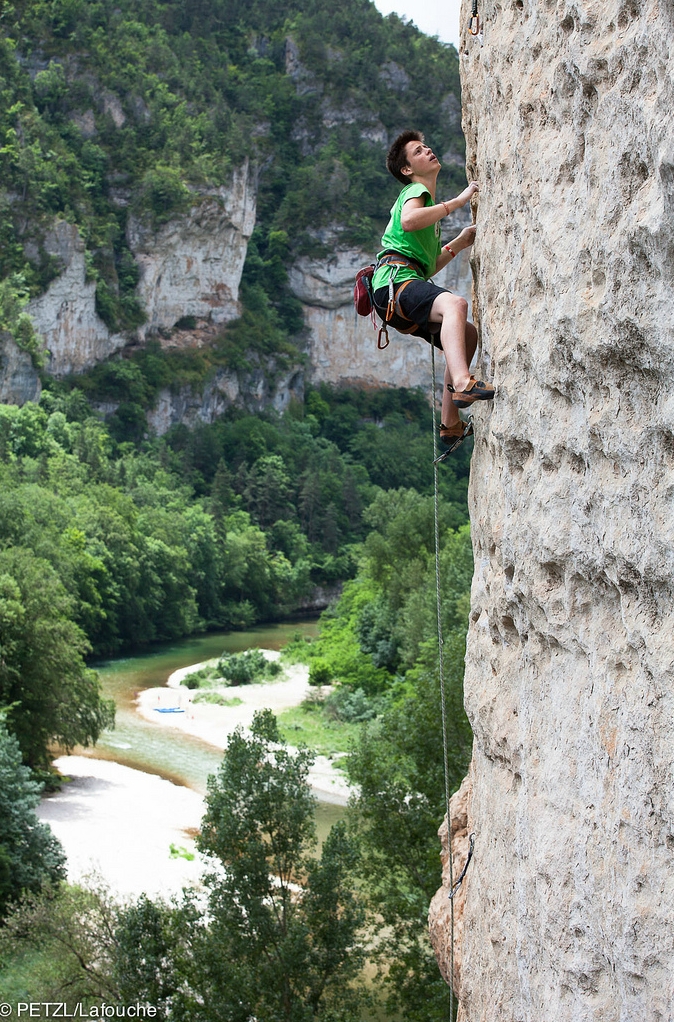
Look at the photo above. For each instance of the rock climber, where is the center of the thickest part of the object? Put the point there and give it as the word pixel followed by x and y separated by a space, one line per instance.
pixel 411 253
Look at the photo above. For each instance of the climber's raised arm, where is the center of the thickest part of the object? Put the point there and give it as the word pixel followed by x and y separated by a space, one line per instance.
pixel 416 216
pixel 452 249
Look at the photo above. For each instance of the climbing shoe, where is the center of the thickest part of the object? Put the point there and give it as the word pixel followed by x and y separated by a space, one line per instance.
pixel 476 390
pixel 452 437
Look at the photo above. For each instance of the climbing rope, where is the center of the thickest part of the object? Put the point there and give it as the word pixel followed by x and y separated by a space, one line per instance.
pixel 441 663
pixel 453 887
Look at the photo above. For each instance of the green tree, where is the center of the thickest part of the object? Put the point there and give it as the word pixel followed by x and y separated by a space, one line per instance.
pixel 282 940
pixel 52 698
pixel 397 765
pixel 30 855
pixel 381 637
pixel 63 943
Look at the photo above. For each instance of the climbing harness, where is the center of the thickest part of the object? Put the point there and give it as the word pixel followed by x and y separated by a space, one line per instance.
pixel 363 296
pixel 395 316
pixel 453 887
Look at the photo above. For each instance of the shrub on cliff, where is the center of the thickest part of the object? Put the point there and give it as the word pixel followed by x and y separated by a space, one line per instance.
pixel 16 322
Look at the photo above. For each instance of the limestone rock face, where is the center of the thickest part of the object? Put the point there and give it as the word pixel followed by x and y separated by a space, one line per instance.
pixel 19 380
pixel 254 391
pixel 569 683
pixel 189 267
pixel 440 913
pixel 343 346
pixel 65 315
pixel 192 265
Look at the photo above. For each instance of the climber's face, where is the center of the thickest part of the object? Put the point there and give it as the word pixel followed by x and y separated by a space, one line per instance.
pixel 421 160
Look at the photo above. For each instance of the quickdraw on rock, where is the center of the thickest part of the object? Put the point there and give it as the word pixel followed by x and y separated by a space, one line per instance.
pixel 474 20
pixel 475 24
pixel 459 879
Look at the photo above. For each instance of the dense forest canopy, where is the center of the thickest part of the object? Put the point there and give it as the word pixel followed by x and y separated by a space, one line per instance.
pixel 217 527
pixel 106 543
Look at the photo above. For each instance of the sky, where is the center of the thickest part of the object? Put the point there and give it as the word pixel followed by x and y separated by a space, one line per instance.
pixel 434 17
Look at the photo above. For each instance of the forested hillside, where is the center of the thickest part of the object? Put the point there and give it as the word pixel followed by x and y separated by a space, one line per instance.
pixel 117 109
pixel 115 112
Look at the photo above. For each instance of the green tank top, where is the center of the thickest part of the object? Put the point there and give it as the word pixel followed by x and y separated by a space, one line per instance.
pixel 423 246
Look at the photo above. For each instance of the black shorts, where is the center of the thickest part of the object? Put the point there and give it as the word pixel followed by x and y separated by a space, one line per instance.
pixel 416 302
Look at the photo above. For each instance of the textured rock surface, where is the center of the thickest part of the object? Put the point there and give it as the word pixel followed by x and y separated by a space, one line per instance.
pixel 343 346
pixel 19 380
pixel 65 315
pixel 192 265
pixel 570 898
pixel 440 912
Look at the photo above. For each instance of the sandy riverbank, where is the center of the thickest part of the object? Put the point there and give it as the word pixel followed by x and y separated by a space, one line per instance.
pixel 214 724
pixel 120 824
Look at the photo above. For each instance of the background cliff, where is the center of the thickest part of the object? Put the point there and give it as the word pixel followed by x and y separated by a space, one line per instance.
pixel 207 177
pixel 569 661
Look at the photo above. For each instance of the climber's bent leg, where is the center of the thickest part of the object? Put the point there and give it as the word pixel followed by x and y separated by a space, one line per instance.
pixel 451 312
pixel 471 342
pixel 450 414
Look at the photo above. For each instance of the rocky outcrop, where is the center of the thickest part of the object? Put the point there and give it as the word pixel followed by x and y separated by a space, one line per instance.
pixel 254 390
pixel 65 315
pixel 19 380
pixel 192 265
pixel 448 952
pixel 342 346
pixel 569 683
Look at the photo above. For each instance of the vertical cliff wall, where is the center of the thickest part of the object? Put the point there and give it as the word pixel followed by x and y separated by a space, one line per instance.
pixel 192 266
pixel 65 315
pixel 570 898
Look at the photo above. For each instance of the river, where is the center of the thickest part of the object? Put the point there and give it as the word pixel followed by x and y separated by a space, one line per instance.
pixel 171 754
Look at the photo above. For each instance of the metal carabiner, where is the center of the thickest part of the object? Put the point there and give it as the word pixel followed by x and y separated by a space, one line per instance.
pixel 383 332
pixel 474 19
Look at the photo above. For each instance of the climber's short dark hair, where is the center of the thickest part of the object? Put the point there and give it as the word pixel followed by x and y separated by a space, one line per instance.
pixel 396 159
